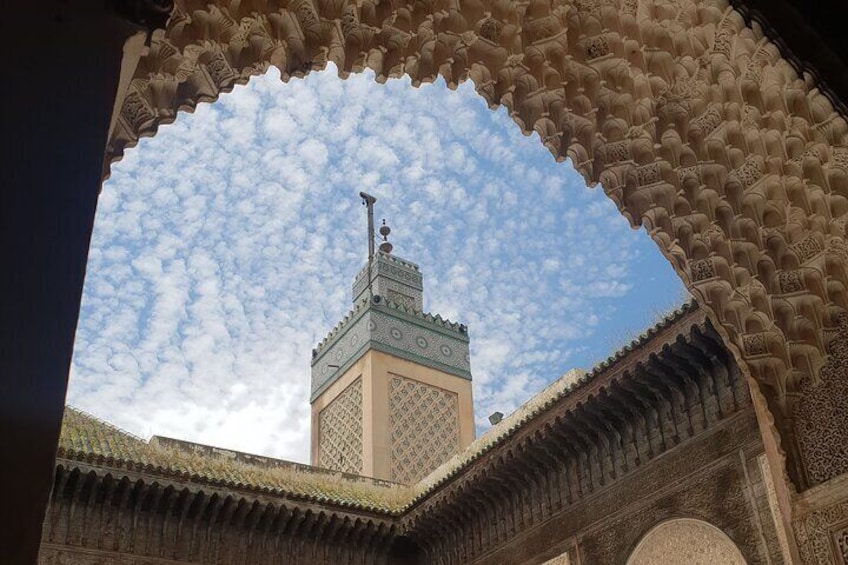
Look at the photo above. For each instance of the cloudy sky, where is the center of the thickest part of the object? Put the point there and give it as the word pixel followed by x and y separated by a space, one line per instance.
pixel 224 249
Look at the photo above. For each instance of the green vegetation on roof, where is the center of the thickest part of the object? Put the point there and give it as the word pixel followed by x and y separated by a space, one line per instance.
pixel 88 439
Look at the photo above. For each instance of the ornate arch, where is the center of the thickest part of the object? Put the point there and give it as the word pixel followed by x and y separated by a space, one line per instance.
pixel 685 540
pixel 691 121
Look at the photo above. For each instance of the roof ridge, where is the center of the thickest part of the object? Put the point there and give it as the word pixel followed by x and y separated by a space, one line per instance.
pixel 104 423
pixel 689 306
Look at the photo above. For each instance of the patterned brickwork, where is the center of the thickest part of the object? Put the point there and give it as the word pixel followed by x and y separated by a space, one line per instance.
pixel 424 424
pixel 340 428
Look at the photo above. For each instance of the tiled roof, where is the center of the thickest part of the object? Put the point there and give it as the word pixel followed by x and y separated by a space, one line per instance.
pixel 87 439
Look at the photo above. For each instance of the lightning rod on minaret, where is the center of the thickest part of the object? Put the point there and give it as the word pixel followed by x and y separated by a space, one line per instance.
pixel 368 201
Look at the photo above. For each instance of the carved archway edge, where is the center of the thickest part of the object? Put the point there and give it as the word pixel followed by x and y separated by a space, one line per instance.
pixel 671 541
pixel 692 122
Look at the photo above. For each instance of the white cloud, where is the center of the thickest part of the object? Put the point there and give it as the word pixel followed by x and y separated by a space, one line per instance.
pixel 224 250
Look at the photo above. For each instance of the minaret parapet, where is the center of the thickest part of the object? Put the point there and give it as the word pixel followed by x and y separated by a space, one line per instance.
pixel 425 316
pixel 339 327
pixel 393 328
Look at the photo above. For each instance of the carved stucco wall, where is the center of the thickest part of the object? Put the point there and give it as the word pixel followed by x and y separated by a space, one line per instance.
pixel 692 122
pixel 424 427
pixel 340 431
pixel 821 414
pixel 688 541
pixel 841 539
pixel 822 535
pixel 774 508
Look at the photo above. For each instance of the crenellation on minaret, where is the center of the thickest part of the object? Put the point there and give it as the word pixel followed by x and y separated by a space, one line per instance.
pixel 396 330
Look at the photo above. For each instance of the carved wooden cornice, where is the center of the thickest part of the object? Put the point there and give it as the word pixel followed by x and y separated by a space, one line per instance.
pixel 132 512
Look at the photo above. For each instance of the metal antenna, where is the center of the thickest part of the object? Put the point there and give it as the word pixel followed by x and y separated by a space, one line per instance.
pixel 368 201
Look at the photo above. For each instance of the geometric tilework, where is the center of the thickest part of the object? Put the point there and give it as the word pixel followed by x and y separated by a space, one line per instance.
pixel 404 300
pixel 424 424
pixel 391 273
pixel 416 337
pixel 340 431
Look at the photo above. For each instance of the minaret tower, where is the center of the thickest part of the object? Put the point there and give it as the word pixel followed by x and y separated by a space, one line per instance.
pixel 391 385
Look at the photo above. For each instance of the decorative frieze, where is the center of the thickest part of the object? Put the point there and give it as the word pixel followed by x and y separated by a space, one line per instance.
pixel 806 249
pixel 749 172
pixel 420 338
pixel 755 344
pixel 821 414
pixel 702 269
pixel 791 281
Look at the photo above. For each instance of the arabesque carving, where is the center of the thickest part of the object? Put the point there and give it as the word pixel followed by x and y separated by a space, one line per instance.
pixel 692 122
pixel 821 415
pixel 822 535
pixel 686 541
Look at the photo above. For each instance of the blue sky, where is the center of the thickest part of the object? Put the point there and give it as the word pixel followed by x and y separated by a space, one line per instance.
pixel 224 249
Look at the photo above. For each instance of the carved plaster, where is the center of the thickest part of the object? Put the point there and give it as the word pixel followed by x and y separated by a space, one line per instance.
pixel 687 541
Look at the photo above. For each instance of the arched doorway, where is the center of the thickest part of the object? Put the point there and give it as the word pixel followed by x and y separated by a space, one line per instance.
pixel 693 123
pixel 685 541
